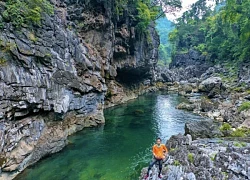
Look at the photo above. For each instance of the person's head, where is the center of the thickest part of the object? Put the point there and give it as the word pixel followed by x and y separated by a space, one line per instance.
pixel 158 141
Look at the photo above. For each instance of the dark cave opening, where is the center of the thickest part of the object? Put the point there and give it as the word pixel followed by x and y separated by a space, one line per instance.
pixel 131 76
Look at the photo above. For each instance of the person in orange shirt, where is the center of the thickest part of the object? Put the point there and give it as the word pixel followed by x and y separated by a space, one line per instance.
pixel 159 151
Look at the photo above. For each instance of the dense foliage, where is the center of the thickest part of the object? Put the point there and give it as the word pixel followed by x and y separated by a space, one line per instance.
pixel 164 27
pixel 147 10
pixel 20 12
pixel 223 34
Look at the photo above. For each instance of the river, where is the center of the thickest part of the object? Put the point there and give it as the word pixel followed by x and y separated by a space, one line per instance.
pixel 120 148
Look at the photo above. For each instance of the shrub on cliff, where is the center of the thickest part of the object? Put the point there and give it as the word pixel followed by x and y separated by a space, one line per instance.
pixel 226 129
pixel 241 132
pixel 244 106
pixel 20 12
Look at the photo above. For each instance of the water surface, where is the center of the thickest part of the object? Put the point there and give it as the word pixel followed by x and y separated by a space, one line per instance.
pixel 119 149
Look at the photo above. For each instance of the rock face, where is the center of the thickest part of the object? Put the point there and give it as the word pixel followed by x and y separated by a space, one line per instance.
pixel 56 77
pixel 189 65
pixel 203 129
pixel 204 159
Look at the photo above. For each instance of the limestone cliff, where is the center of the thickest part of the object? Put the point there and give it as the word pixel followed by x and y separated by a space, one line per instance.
pixel 56 77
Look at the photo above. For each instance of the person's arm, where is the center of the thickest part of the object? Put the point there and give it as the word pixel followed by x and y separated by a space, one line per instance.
pixel 166 149
pixel 154 152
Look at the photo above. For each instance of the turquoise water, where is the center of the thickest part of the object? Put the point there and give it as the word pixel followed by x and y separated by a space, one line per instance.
pixel 119 149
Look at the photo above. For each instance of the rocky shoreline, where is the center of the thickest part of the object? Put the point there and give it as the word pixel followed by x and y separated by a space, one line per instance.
pixel 205 159
pixel 218 148
pixel 57 78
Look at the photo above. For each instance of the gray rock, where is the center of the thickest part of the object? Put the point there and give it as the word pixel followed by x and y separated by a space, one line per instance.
pixel 203 129
pixel 204 159
pixel 207 105
pixel 212 86
pixel 186 106
pixel 176 141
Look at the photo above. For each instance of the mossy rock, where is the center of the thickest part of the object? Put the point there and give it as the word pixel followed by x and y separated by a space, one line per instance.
pixel 226 129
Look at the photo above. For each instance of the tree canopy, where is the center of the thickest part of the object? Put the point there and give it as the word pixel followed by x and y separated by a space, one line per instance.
pixel 164 27
pixel 223 34
pixel 151 10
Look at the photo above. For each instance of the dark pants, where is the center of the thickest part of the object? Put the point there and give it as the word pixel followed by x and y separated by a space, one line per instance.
pixel 159 161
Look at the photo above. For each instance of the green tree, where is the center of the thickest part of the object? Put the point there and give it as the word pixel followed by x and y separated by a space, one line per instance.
pixel 164 27
pixel 20 12
pixel 151 10
pixel 222 34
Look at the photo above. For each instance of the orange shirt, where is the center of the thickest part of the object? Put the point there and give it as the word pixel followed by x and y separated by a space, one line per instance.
pixel 159 151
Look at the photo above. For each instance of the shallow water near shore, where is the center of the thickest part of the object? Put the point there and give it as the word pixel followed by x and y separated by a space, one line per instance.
pixel 120 148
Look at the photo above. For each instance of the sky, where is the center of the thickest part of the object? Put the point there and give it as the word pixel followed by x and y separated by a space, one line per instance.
pixel 185 6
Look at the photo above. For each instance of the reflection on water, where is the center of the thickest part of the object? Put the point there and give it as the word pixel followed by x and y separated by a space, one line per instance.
pixel 119 149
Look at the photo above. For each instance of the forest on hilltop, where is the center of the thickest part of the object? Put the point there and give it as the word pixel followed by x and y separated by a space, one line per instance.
pixel 222 34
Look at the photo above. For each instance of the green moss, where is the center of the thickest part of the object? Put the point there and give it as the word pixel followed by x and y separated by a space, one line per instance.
pixel 220 141
pixel 248 91
pixel 32 37
pixel 212 156
pixel 239 89
pixel 240 144
pixel 7 47
pixel 244 106
pixel 226 127
pixel 81 25
pixel 177 163
pixel 225 175
pixel 172 149
pixel 48 55
pixel 2 60
pixel 183 51
pixel 239 133
pixel 191 157
pixel 149 39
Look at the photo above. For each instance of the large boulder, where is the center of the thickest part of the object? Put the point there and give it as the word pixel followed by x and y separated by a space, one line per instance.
pixel 186 87
pixel 178 140
pixel 203 129
pixel 186 106
pixel 207 105
pixel 212 86
pixel 164 74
